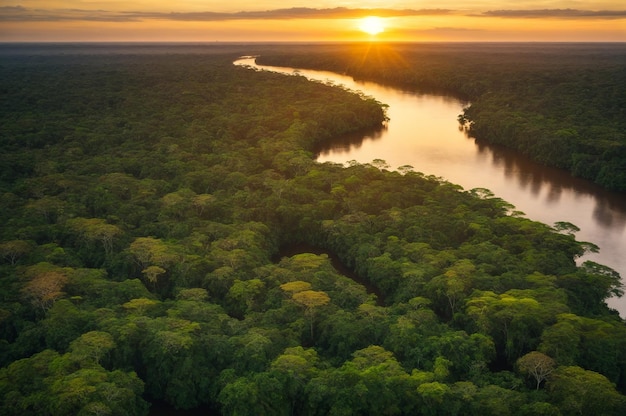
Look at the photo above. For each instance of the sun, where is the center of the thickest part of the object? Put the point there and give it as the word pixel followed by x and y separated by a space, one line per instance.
pixel 372 25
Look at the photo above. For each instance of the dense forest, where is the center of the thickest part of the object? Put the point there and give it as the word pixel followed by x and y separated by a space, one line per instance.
pixel 563 105
pixel 167 236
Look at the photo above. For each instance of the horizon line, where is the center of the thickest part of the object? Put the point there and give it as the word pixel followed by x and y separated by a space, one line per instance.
pixel 239 42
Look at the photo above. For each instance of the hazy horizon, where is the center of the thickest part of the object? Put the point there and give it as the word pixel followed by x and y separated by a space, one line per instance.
pixel 295 21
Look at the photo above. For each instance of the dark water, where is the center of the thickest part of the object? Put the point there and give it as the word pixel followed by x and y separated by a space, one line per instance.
pixel 423 132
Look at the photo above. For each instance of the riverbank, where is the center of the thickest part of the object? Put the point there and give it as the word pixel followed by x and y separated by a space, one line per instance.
pixel 440 148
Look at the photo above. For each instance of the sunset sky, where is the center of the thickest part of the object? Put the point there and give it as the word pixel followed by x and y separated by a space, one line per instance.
pixel 304 20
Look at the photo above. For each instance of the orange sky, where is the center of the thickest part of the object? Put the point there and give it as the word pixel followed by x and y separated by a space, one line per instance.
pixel 248 20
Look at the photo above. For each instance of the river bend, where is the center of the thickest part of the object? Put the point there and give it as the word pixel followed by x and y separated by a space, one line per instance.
pixel 423 132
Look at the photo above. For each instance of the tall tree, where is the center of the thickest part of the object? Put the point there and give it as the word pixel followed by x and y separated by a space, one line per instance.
pixel 536 365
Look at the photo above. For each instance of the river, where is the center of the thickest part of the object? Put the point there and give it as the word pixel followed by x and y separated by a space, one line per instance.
pixel 423 132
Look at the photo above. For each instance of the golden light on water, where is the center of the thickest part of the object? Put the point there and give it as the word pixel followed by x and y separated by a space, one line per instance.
pixel 372 25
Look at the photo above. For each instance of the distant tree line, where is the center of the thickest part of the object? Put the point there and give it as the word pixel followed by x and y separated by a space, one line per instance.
pixel 146 201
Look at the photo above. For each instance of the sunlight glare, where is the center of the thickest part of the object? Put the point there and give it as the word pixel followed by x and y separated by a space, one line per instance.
pixel 372 25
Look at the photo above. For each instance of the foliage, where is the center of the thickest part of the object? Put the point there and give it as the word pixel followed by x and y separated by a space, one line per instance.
pixel 167 236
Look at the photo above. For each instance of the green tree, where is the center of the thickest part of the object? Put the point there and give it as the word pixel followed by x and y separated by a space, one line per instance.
pixel 243 295
pixel 576 391
pixel 590 286
pixel 434 395
pixel 596 344
pixel 536 365
pixel 90 347
pixel 311 300
pixel 260 394
pixel 514 319
pixel 149 251
pixel 14 249
pixel 96 229
pixel 45 285
pixel 455 283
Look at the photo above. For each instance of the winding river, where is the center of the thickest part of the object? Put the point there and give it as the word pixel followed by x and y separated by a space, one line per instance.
pixel 423 132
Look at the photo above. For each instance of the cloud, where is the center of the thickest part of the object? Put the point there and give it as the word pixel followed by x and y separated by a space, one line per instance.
pixel 22 14
pixel 556 13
